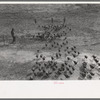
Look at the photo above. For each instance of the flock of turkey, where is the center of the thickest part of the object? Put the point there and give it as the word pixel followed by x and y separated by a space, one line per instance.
pixel 64 61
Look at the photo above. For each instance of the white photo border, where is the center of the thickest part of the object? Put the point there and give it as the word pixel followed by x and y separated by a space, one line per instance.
pixel 48 89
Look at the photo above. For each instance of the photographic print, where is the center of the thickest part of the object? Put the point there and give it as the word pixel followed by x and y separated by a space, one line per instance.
pixel 50 41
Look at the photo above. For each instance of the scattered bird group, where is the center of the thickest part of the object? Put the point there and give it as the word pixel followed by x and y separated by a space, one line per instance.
pixel 52 69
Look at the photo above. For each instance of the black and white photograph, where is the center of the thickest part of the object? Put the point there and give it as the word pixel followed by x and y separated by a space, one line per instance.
pixel 49 41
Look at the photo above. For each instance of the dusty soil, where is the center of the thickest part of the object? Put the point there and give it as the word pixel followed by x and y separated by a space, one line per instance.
pixel 17 59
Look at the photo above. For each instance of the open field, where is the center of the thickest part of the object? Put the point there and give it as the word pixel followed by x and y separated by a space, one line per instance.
pixel 53 42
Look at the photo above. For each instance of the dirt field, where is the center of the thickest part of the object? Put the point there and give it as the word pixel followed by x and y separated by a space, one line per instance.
pixel 17 60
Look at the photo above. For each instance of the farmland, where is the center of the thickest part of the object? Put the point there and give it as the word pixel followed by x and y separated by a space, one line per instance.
pixel 53 42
